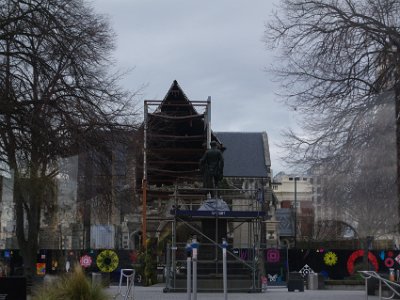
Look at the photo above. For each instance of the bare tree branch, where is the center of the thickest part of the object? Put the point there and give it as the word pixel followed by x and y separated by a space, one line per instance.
pixel 57 98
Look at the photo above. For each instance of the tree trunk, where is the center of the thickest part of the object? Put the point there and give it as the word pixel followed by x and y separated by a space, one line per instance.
pixel 29 210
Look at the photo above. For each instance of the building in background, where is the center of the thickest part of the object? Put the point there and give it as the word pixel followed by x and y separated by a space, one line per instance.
pixel 295 206
pixel 248 167
pixel 99 200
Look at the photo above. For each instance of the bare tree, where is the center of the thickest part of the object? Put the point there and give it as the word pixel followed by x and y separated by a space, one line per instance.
pixel 365 195
pixel 57 97
pixel 339 67
pixel 337 57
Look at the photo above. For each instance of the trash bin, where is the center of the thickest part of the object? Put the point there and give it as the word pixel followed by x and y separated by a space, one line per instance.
pixel 373 284
pixel 295 282
pixel 313 281
pixel 97 279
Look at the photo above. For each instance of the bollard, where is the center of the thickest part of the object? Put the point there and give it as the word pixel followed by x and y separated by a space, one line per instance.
pixel 188 269
pixel 224 268
pixel 195 246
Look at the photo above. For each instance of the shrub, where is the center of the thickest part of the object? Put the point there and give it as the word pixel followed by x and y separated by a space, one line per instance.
pixel 73 286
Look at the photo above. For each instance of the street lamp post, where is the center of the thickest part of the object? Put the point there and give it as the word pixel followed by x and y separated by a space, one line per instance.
pixel 295 210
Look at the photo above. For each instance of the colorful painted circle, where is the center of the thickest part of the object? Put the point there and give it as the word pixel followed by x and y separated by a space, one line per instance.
pixel 389 262
pixel 107 261
pixel 273 256
pixel 85 261
pixel 357 254
pixel 330 258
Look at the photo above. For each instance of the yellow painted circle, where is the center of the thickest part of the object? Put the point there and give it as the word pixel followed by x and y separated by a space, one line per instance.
pixel 107 261
pixel 330 259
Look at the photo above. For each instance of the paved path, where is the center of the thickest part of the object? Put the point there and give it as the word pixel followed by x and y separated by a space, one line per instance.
pixel 156 293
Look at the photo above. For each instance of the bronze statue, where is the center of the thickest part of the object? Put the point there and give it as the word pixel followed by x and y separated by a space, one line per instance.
pixel 212 168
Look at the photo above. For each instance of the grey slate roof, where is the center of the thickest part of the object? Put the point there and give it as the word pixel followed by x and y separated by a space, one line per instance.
pixel 246 154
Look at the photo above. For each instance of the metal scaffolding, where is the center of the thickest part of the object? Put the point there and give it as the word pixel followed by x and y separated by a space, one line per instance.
pixel 176 133
pixel 241 225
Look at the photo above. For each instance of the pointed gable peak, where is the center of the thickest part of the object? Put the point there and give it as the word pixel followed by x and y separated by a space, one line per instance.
pixel 175 92
pixel 176 101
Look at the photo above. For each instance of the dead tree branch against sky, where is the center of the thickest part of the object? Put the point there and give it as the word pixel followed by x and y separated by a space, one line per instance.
pixel 364 196
pixel 339 68
pixel 337 55
pixel 57 97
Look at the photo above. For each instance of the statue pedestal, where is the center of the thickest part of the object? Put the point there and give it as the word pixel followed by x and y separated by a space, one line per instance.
pixel 214 228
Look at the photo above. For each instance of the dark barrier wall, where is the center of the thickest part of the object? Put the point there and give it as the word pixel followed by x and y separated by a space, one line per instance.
pixel 331 263
pixel 13 288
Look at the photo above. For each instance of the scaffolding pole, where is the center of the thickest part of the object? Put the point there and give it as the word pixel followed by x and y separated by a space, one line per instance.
pixel 144 181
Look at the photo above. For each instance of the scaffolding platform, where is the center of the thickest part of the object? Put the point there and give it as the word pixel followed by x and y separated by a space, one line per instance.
pixel 200 214
pixel 238 219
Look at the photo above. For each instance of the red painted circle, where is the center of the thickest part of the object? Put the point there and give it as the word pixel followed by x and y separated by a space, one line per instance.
pixel 389 262
pixel 360 253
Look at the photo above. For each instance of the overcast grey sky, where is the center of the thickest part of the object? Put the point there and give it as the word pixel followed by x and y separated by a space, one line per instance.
pixel 212 48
